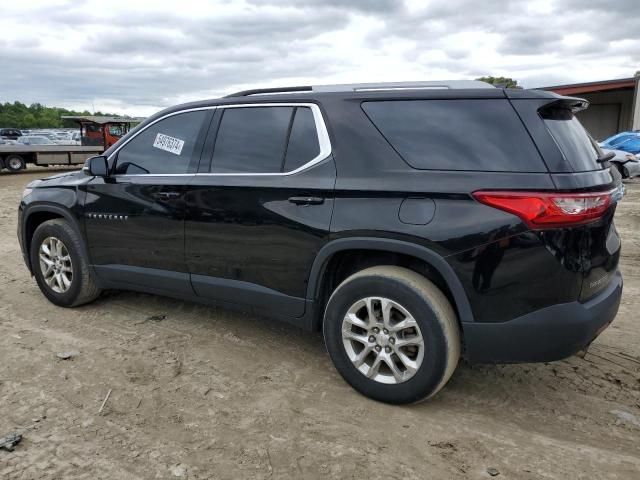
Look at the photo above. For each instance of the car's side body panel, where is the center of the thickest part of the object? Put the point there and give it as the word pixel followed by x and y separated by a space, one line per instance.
pixel 245 229
pixel 238 240
pixel 130 221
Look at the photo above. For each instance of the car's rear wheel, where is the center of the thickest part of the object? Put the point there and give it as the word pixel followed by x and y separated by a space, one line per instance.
pixel 625 172
pixel 392 334
pixel 59 264
pixel 15 163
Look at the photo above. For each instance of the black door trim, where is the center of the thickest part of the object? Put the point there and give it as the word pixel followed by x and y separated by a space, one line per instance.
pixel 151 280
pixel 247 293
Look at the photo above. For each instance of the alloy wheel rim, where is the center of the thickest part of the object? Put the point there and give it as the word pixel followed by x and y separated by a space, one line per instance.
pixel 55 264
pixel 15 163
pixel 383 340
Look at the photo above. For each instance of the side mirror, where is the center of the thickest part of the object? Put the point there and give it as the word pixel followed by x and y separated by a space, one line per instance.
pixel 96 166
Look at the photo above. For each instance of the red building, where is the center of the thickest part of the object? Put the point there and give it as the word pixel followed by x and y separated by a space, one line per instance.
pixel 614 104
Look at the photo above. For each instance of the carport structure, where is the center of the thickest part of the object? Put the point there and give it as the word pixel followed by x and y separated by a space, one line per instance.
pixel 614 104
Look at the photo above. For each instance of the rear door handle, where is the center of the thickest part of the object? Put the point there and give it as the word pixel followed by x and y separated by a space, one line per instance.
pixel 165 195
pixel 306 200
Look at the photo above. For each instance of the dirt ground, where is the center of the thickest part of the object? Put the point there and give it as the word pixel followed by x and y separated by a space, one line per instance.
pixel 198 392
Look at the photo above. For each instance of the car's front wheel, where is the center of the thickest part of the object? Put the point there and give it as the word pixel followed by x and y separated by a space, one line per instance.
pixel 60 266
pixel 392 334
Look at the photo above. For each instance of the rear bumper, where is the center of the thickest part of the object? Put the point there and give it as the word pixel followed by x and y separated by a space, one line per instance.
pixel 551 333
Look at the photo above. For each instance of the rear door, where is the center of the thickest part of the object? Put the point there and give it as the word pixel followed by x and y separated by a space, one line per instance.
pixel 134 218
pixel 260 207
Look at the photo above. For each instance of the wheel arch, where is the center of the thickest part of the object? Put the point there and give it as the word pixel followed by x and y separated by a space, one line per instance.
pixel 37 214
pixel 435 262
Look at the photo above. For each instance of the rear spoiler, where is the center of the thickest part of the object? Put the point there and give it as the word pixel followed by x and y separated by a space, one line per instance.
pixel 548 100
pixel 571 103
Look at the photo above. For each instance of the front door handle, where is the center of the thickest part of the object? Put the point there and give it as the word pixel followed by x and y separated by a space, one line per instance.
pixel 306 200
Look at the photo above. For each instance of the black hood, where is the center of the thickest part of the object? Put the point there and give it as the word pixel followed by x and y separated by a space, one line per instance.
pixel 77 177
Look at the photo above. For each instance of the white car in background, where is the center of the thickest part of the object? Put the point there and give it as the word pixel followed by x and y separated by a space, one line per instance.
pixel 68 138
pixel 34 140
pixel 627 163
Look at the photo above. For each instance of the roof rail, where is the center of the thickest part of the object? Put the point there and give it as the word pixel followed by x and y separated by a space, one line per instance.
pixel 369 87
pixel 276 90
pixel 374 87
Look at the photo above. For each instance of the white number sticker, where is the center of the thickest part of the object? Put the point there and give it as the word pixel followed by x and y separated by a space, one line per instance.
pixel 168 144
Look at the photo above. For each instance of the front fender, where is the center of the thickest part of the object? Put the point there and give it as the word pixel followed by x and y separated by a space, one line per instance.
pixel 38 207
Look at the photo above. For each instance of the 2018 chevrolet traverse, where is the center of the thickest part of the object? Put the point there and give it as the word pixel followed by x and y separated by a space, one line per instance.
pixel 412 223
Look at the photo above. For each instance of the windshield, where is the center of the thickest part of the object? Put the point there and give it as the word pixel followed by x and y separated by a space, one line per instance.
pixel 116 130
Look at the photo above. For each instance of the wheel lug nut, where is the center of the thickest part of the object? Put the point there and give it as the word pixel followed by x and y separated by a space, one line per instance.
pixel 387 349
pixel 378 348
pixel 385 331
pixel 376 329
pixel 372 339
pixel 392 340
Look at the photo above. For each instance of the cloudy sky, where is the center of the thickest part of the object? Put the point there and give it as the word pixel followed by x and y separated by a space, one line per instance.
pixel 139 56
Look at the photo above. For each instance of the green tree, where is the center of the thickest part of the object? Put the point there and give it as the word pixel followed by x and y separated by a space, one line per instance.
pixel 504 82
pixel 36 115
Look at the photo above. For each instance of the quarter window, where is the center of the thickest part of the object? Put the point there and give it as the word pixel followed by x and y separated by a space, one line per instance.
pixel 483 135
pixel 303 141
pixel 166 147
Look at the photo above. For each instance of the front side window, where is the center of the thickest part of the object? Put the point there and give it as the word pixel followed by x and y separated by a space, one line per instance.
pixel 166 147
pixel 265 140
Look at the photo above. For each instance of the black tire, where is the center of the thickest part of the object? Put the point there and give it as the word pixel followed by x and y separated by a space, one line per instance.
pixel 430 309
pixel 82 288
pixel 15 163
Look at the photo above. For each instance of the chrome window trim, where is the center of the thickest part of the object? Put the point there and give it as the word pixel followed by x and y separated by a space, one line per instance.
pixel 321 131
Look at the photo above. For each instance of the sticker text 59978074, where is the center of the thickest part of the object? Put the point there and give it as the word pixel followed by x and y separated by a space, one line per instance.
pixel 169 144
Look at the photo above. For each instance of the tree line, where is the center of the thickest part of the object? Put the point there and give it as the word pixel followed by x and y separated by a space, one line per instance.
pixel 36 115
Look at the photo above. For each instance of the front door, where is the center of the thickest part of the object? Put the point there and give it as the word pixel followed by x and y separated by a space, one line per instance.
pixel 260 208
pixel 134 218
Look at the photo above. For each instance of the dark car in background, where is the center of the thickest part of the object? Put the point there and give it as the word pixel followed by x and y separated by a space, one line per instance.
pixel 10 133
pixel 357 210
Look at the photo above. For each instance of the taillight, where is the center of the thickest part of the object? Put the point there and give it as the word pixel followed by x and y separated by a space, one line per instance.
pixel 548 210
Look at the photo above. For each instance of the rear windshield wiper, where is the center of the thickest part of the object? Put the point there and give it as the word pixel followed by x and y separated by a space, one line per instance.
pixel 606 157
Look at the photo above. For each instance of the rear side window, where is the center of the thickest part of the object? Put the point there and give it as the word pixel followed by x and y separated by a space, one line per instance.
pixel 577 147
pixel 483 135
pixel 265 140
pixel 251 140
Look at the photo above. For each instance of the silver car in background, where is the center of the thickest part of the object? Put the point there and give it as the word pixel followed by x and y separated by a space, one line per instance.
pixel 627 163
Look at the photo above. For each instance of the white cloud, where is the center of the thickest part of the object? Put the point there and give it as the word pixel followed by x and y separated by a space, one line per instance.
pixel 137 57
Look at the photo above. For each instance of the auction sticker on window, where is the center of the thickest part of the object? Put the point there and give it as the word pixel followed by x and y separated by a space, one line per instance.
pixel 169 144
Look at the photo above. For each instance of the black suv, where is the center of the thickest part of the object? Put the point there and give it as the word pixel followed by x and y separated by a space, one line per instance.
pixel 10 133
pixel 411 223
